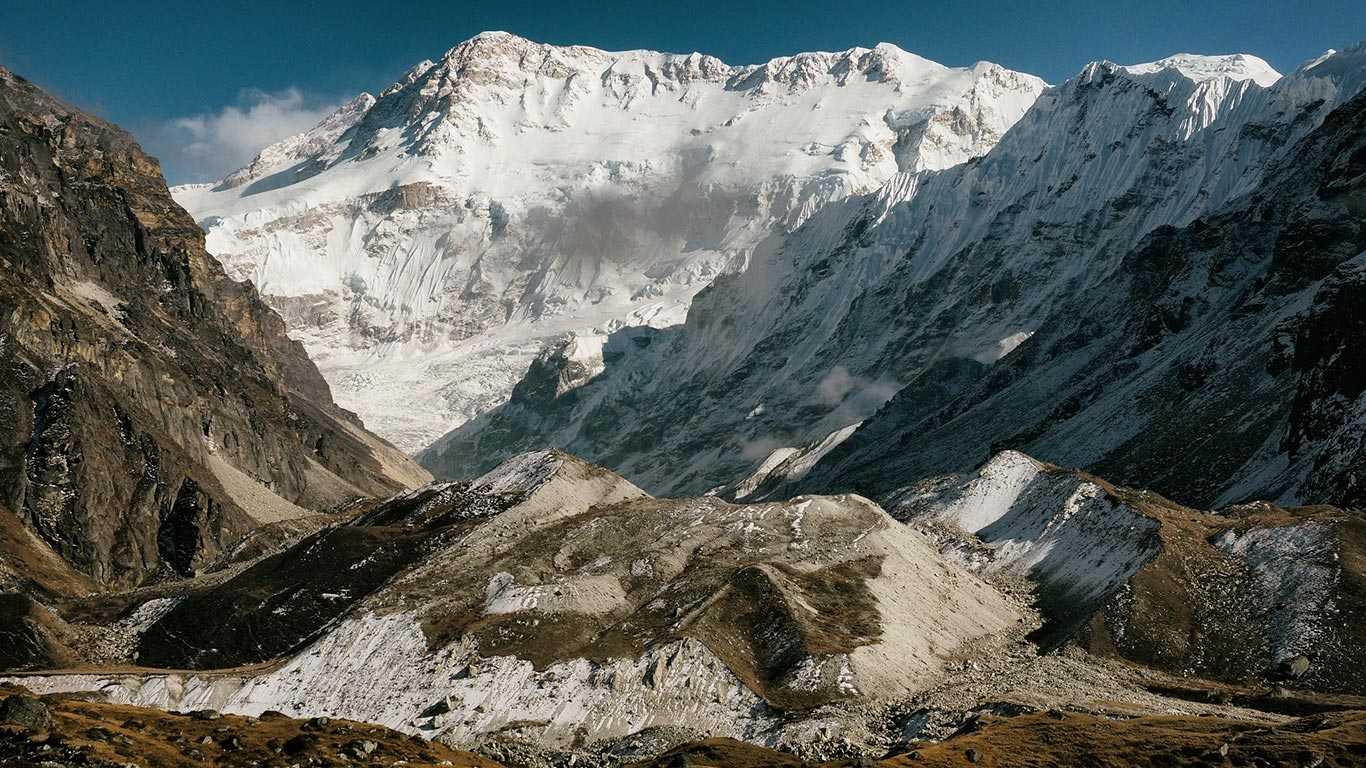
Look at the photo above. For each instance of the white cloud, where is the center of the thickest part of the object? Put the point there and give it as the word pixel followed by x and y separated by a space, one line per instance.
pixel 854 397
pixel 759 448
pixel 208 146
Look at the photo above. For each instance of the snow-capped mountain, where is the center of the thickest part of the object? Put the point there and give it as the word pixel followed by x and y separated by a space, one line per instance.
pixel 986 428
pixel 426 243
pixel 951 289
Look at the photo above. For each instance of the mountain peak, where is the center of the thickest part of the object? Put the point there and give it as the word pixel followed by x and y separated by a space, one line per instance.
pixel 300 147
pixel 496 34
pixel 511 128
pixel 489 40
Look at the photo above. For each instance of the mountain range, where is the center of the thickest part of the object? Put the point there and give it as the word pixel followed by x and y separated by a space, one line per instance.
pixel 847 409
pixel 1144 265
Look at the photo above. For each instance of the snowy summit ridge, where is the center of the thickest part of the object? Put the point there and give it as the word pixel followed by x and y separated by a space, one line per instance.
pixel 427 243
pixel 1237 67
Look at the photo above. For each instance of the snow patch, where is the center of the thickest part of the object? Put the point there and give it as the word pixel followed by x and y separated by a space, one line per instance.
pixel 1049 526
pixel 1296 572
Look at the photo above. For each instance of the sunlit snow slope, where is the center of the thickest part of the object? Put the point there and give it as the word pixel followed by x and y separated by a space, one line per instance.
pixel 425 244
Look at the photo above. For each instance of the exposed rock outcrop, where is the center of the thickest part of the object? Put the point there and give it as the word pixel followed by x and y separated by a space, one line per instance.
pixel 151 409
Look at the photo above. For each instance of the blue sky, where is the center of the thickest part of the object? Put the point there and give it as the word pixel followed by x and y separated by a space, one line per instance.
pixel 204 84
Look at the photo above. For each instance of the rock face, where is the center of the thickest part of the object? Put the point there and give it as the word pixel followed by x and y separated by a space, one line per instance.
pixel 25 712
pixel 557 600
pixel 152 410
pixel 1145 277
pixel 426 244
pixel 31 636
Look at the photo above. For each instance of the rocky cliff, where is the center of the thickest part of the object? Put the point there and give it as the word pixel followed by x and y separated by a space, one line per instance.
pixel 152 410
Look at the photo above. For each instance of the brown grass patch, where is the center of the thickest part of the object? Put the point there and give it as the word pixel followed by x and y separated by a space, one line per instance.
pixel 99 734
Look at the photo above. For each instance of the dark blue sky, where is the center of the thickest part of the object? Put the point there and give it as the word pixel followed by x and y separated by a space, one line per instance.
pixel 147 65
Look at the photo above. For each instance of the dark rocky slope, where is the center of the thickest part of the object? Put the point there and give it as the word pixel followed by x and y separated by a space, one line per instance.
pixel 151 409
pixel 1132 281
pixel 1214 366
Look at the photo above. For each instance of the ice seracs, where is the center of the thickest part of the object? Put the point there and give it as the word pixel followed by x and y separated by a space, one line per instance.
pixel 425 244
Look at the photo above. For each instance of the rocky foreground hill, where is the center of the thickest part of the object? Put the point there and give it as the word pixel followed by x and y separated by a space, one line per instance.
pixel 550 610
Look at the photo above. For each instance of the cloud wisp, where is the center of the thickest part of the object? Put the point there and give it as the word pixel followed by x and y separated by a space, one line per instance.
pixel 854 398
pixel 208 146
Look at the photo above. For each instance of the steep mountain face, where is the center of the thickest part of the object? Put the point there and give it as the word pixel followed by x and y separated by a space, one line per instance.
pixel 425 245
pixel 1117 284
pixel 151 409
pixel 1209 365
